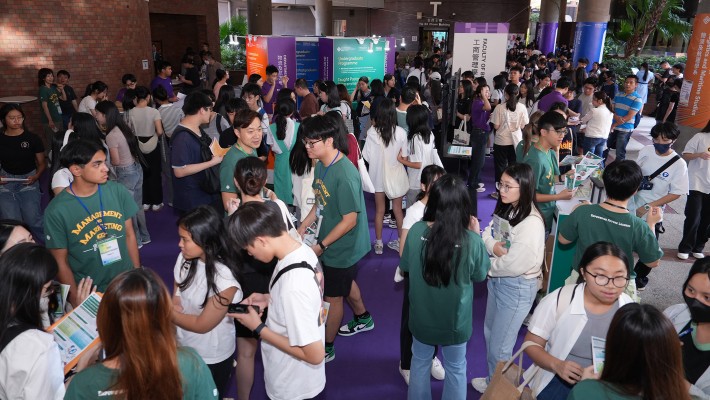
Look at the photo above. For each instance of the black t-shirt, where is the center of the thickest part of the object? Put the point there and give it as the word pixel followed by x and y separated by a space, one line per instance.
pixel 695 362
pixel 668 97
pixel 18 153
pixel 66 105
pixel 192 75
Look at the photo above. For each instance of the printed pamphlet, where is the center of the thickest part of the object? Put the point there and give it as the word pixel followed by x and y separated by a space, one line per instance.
pixel 501 230
pixel 598 346
pixel 460 151
pixel 310 237
pixel 76 332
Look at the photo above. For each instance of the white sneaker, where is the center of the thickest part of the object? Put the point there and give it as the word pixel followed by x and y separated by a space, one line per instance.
pixel 398 275
pixel 157 207
pixel 480 189
pixel 394 245
pixel 405 374
pixel 683 256
pixel 481 184
pixel 479 384
pixel 437 370
pixel 146 207
pixel 698 256
pixel 378 248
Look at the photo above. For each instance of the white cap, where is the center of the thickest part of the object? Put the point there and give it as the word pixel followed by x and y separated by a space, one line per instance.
pixel 435 76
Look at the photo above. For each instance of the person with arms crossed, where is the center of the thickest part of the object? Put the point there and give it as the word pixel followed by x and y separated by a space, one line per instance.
pixel 626 106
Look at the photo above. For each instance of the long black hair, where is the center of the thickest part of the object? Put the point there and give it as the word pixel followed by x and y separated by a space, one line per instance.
pixel 114 120
pixel 284 110
pixel 386 121
pixel 298 160
pixel 25 268
pixel 448 208
pixel 207 230
pixel 418 123
pixel 513 91
pixel 429 175
pixel 522 174
pixel 467 90
pixel 331 89
pixel 97 87
pixel 6 228
pixel 377 88
pixel 530 95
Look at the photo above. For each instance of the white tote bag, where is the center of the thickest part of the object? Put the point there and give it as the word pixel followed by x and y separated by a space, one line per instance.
pixel 396 181
pixel 367 185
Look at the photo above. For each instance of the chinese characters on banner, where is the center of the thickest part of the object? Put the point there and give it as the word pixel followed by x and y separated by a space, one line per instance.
pixel 480 48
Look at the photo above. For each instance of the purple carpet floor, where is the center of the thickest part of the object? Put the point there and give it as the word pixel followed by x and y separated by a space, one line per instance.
pixel 366 365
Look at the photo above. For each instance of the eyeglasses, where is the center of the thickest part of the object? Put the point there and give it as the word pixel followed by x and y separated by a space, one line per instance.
pixel 602 280
pixel 16 119
pixel 310 145
pixel 560 132
pixel 504 188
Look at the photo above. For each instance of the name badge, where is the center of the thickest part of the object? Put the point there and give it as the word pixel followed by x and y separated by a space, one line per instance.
pixel 109 251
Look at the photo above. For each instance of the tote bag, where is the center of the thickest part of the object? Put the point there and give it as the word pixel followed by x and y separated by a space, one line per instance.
pixel 461 135
pixel 396 181
pixel 505 384
pixel 367 185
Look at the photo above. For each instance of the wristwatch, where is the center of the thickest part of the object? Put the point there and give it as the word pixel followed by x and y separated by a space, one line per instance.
pixel 322 246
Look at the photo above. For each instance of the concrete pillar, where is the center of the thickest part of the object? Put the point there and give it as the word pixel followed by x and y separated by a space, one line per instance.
pixel 592 18
pixel 695 114
pixel 549 23
pixel 324 17
pixel 259 17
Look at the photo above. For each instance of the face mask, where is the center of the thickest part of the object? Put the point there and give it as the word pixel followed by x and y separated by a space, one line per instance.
pixel 662 148
pixel 698 311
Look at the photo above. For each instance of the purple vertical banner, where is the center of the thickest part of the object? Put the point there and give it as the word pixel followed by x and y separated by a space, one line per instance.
pixel 547 37
pixel 390 49
pixel 281 52
pixel 325 55
pixel 589 42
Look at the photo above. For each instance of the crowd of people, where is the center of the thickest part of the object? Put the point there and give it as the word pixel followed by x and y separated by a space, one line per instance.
pixel 274 263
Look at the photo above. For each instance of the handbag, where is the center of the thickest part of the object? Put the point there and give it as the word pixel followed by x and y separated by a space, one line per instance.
pixel 461 135
pixel 367 185
pixel 505 384
pixel 148 146
pixel 435 159
pixel 395 179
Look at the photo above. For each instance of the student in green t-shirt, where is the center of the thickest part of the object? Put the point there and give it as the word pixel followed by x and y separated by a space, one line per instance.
pixel 344 236
pixel 51 112
pixel 444 255
pixel 642 360
pixel 247 128
pixel 142 360
pixel 611 221
pixel 88 225
pixel 542 158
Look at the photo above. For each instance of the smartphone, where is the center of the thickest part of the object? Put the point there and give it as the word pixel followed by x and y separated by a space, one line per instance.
pixel 236 308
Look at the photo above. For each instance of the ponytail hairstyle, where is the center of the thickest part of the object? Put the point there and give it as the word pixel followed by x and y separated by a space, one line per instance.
pixel 602 96
pixel 96 87
pixel 448 208
pixel 513 91
pixel 418 123
pixel 136 329
pixel 386 121
pixel 284 110
pixel 645 71
pixel 430 174
pixel 207 230
pixel 114 120
pixel 250 175
pixel 530 130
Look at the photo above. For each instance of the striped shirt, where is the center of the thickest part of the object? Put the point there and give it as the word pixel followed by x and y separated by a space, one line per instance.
pixel 623 104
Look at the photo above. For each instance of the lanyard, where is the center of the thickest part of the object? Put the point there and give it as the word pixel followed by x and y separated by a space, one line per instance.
pixel 101 205
pixel 242 150
pixel 329 165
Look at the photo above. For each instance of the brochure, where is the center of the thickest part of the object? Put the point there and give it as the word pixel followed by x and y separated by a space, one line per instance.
pixel 501 230
pixel 217 150
pixel 311 235
pixel 460 151
pixel 598 346
pixel 76 332
pixel 586 167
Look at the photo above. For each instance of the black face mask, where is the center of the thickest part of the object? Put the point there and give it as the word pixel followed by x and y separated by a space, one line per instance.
pixel 699 312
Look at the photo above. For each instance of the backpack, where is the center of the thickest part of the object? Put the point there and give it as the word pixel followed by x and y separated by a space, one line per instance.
pixel 12 332
pixel 210 184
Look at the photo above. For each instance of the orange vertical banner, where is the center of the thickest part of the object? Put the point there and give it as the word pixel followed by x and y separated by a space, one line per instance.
pixel 694 104
pixel 257 55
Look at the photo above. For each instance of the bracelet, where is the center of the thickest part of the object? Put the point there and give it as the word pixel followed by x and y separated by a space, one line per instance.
pixel 322 246
pixel 259 328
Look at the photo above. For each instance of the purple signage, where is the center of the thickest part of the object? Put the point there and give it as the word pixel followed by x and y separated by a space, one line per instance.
pixel 325 50
pixel 547 37
pixel 589 42
pixel 282 54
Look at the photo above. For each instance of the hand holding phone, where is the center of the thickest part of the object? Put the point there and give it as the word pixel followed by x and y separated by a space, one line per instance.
pixel 238 308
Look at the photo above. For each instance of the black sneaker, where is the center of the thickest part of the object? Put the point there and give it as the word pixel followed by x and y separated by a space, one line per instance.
pixel 641 283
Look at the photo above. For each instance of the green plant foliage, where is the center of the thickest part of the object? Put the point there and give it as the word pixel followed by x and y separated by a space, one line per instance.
pixel 233 57
pixel 643 18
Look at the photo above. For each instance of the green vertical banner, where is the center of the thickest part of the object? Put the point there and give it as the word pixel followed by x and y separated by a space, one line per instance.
pixel 353 58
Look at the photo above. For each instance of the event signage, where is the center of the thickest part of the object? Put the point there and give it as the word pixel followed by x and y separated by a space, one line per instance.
pixel 307 60
pixel 272 50
pixel 589 42
pixel 694 103
pixel 345 60
pixel 480 48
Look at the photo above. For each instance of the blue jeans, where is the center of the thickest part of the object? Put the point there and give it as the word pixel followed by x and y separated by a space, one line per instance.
pixel 22 202
pixel 509 302
pixel 455 384
pixel 131 177
pixel 555 390
pixel 595 145
pixel 619 139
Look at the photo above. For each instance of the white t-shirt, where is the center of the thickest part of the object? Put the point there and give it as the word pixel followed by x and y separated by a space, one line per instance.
pixel 87 104
pixel 343 109
pixel 598 120
pixel 143 120
pixel 288 138
pixel 415 213
pixel 510 124
pixel 62 178
pixel 419 152
pixel 420 75
pixel 31 368
pixel 674 180
pixel 218 344
pixel 699 169
pixel 373 150
pixel 294 312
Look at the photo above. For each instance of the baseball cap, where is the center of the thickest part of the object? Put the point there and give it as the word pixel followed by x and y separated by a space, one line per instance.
pixel 435 76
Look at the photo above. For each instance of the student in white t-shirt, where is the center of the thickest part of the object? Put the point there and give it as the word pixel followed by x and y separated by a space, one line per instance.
pixel 420 142
pixel 667 186
pixel 415 213
pixel 205 285
pixel 293 337
pixel 697 209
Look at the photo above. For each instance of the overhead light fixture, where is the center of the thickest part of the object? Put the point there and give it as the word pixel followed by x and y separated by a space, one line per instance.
pixel 360 40
pixel 387 45
pixel 375 40
pixel 370 49
pixel 403 44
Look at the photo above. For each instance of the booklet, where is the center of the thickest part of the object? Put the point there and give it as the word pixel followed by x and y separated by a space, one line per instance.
pixel 460 151
pixel 217 150
pixel 501 230
pixel 598 346
pixel 310 237
pixel 76 332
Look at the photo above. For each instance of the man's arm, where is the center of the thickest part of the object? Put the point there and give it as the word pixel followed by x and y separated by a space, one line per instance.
pixel 308 221
pixel 131 244
pixel 344 226
pixel 267 97
pixel 65 274
pixel 191 169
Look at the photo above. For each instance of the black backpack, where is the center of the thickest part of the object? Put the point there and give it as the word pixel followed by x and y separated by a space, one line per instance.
pixel 12 332
pixel 210 184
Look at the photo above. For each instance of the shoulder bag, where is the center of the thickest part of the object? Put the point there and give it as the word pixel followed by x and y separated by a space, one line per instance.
pixel 395 180
pixel 367 185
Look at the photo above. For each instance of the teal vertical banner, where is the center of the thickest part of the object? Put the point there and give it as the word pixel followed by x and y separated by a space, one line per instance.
pixel 352 59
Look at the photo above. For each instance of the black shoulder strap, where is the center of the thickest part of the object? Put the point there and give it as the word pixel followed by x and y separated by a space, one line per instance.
pixel 302 264
pixel 664 167
pixel 219 123
pixel 11 333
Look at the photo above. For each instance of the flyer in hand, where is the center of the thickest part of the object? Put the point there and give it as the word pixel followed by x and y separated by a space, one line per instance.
pixel 501 230
pixel 583 170
pixel 598 354
pixel 76 332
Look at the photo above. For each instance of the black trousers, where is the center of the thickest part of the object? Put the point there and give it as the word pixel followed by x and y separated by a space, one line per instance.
pixel 502 157
pixel 152 180
pixel 642 270
pixel 221 372
pixel 696 227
